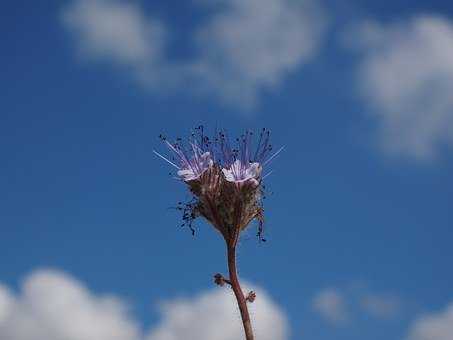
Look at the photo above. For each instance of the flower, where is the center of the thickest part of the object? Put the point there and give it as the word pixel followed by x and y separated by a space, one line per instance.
pixel 239 172
pixel 191 167
pixel 196 166
pixel 240 164
pixel 226 182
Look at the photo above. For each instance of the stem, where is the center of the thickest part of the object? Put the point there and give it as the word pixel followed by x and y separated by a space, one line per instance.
pixel 242 303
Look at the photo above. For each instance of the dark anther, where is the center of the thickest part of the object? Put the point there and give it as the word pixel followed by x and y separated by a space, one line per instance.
pixel 251 296
pixel 220 280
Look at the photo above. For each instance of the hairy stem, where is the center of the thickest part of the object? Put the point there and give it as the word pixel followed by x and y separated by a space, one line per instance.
pixel 234 281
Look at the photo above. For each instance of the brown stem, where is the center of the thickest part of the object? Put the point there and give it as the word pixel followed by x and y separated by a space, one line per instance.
pixel 242 302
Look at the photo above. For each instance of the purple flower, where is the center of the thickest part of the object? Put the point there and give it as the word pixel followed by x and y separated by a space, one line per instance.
pixel 241 165
pixel 239 172
pixel 196 167
pixel 226 181
pixel 192 164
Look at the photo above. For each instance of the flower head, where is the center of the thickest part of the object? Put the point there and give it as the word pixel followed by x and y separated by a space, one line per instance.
pixel 226 181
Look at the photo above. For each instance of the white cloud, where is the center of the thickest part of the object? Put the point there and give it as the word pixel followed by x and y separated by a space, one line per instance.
pixel 252 45
pixel 344 305
pixel 244 48
pixel 115 31
pixel 406 76
pixel 330 304
pixel 214 315
pixel 384 306
pixel 54 306
pixel 5 303
pixel 436 326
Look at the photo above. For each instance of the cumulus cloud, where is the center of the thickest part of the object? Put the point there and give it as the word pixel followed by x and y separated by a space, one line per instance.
pixel 244 48
pixel 384 306
pixel 5 303
pixel 54 306
pixel 331 305
pixel 213 315
pixel 436 326
pixel 406 76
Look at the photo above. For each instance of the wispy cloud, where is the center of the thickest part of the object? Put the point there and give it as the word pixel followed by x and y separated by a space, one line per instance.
pixel 246 47
pixel 331 305
pixel 385 306
pixel 435 326
pixel 253 44
pixel 344 305
pixel 406 78
pixel 53 306
pixel 114 31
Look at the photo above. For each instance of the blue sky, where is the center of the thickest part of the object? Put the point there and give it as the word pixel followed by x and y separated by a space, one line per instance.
pixel 359 225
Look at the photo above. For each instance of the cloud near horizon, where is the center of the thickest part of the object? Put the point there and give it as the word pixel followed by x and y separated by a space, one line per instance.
pixel 214 315
pixel 245 48
pixel 52 305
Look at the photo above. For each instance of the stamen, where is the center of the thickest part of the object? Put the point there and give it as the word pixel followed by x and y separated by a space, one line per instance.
pixel 274 155
pixel 165 159
pixel 269 173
